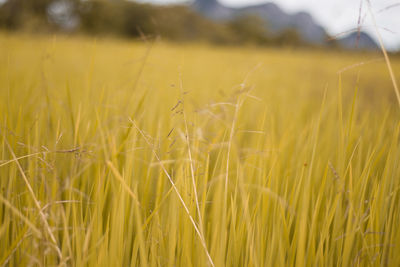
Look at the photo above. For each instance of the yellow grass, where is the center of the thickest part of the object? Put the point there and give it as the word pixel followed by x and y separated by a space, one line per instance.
pixel 118 153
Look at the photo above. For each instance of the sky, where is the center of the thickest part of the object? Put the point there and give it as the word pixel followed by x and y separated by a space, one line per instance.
pixel 338 16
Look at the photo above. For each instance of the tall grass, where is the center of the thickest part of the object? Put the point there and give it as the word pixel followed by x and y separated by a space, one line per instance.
pixel 115 153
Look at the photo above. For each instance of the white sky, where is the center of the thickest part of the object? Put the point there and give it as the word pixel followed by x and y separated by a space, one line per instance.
pixel 337 16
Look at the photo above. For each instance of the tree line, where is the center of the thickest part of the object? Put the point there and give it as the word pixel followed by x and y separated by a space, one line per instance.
pixel 137 20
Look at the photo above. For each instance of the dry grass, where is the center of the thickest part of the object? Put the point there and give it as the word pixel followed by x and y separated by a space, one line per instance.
pixel 115 153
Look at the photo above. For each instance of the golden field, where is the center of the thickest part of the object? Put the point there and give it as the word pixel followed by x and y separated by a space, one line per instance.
pixel 120 153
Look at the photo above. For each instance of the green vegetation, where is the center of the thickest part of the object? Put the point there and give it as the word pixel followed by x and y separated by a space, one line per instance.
pixel 116 153
pixel 134 20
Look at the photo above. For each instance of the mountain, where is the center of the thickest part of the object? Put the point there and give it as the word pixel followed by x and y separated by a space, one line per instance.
pixel 212 9
pixel 357 40
pixel 277 21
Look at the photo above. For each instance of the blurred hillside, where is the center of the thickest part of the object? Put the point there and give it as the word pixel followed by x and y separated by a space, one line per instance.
pixel 271 16
pixel 205 20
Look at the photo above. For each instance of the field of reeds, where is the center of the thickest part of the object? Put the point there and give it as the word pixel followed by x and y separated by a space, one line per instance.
pixel 119 153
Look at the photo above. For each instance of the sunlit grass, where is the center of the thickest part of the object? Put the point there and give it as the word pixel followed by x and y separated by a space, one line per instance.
pixel 116 153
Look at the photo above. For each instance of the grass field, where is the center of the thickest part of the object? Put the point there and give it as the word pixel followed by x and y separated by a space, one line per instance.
pixel 117 153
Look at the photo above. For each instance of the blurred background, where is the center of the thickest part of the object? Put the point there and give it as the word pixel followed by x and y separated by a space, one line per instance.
pixel 337 24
